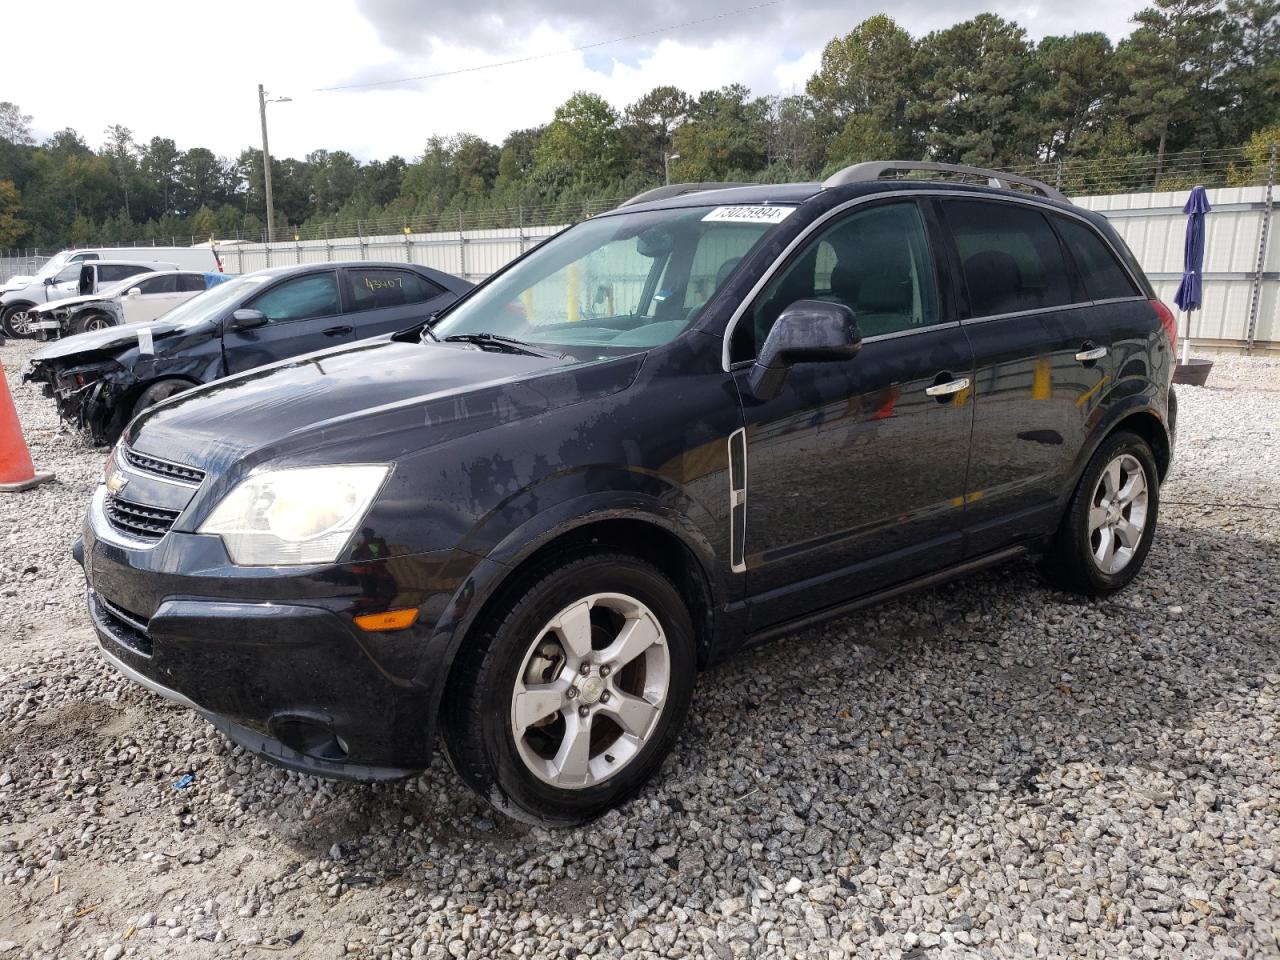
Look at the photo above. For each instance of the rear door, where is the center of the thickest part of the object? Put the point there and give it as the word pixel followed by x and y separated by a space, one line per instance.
pixel 855 472
pixel 303 314
pixel 385 299
pixel 156 296
pixel 1041 365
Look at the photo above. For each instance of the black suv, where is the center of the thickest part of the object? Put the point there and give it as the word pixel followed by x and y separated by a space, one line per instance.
pixel 710 416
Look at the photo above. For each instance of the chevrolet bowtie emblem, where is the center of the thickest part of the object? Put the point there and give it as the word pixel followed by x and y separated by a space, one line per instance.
pixel 116 482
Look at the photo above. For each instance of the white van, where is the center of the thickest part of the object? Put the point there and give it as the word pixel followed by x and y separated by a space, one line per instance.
pixel 22 293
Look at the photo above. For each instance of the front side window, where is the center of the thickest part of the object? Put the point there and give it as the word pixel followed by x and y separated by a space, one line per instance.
pixel 69 274
pixel 1010 257
pixel 112 272
pixel 165 284
pixel 315 295
pixel 1104 278
pixel 616 284
pixel 372 288
pixel 875 261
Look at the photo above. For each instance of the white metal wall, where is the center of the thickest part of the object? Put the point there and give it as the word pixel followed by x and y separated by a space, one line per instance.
pixel 1154 227
pixel 1152 224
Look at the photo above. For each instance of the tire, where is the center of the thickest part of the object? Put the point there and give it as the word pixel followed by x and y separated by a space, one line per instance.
pixel 513 653
pixel 15 313
pixel 154 393
pixel 1104 538
pixel 93 321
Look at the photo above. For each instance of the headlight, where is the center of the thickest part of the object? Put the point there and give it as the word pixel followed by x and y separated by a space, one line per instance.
pixel 300 515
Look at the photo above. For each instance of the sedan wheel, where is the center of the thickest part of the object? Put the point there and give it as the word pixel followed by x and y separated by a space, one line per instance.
pixel 591 690
pixel 20 324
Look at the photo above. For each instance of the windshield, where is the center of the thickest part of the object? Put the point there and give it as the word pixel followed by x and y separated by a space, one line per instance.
pixel 616 284
pixel 205 306
pixel 53 266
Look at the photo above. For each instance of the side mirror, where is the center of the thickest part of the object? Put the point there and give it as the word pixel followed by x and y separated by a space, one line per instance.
pixel 247 318
pixel 134 292
pixel 49 281
pixel 808 331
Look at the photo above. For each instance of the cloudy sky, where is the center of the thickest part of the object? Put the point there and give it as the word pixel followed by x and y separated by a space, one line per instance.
pixel 190 70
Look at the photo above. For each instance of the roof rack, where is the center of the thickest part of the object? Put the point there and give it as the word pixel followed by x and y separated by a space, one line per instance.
pixel 875 169
pixel 676 190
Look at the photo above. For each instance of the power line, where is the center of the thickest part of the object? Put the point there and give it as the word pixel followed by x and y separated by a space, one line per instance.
pixel 555 53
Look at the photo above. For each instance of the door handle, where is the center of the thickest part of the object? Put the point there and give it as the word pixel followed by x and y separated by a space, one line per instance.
pixel 948 388
pixel 1088 353
pixel 337 331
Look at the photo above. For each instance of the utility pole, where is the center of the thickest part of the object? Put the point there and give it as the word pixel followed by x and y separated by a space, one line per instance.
pixel 666 165
pixel 266 160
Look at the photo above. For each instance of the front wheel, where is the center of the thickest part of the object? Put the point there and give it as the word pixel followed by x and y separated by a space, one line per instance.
pixel 1110 520
pixel 15 321
pixel 93 321
pixel 573 691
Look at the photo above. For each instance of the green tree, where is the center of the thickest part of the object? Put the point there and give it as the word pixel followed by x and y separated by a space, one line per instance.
pixel 648 126
pixel 1170 64
pixel 863 89
pixel 15 126
pixel 978 88
pixel 1078 75
pixel 1252 76
pixel 12 227
pixel 725 137
pixel 579 148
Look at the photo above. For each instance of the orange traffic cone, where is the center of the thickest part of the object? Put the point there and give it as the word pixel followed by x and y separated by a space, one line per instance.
pixel 16 469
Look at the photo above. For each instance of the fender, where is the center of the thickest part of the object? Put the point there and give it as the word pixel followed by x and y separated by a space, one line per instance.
pixel 491 572
pixel 1109 414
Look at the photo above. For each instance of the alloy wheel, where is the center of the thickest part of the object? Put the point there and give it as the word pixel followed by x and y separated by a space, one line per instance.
pixel 1118 514
pixel 590 690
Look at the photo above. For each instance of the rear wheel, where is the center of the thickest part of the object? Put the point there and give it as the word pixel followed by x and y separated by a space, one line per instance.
pixel 574 690
pixel 93 321
pixel 1110 521
pixel 15 319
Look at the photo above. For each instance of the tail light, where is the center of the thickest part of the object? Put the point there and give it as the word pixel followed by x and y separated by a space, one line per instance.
pixel 1169 323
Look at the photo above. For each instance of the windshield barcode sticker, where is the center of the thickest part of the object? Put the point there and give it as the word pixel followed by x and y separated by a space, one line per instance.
pixel 145 344
pixel 745 214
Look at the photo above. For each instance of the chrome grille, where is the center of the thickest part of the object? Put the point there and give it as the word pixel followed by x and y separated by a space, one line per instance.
pixel 137 520
pixel 161 468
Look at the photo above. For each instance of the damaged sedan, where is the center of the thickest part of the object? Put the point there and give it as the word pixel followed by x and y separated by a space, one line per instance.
pixel 101 379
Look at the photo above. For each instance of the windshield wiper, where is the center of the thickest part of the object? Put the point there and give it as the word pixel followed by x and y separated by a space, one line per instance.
pixel 500 344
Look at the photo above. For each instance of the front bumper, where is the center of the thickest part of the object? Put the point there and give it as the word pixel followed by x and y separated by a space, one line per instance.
pixel 272 656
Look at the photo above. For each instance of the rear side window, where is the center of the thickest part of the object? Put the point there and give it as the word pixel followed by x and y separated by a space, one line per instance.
pixel 315 295
pixel 371 289
pixel 1010 256
pixel 1104 278
pixel 191 283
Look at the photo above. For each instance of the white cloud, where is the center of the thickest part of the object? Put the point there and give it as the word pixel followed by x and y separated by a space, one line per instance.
pixel 190 71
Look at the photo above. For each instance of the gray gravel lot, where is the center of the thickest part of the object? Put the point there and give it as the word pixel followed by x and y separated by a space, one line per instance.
pixel 988 769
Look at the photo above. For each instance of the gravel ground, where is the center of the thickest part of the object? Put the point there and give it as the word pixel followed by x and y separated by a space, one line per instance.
pixel 987 769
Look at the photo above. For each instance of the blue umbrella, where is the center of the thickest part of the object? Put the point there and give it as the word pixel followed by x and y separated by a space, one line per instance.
pixel 1190 290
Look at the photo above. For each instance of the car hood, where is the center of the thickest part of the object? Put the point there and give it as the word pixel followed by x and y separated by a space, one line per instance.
pixel 111 339
pixel 376 398
pixel 69 302
pixel 16 283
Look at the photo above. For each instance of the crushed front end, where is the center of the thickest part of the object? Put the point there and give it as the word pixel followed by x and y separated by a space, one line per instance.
pixel 86 391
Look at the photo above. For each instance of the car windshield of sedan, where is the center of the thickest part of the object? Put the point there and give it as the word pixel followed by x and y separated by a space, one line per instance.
pixel 615 284
pixel 207 305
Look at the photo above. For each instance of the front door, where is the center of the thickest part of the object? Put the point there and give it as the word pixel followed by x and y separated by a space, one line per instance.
pixel 303 314
pixel 855 472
